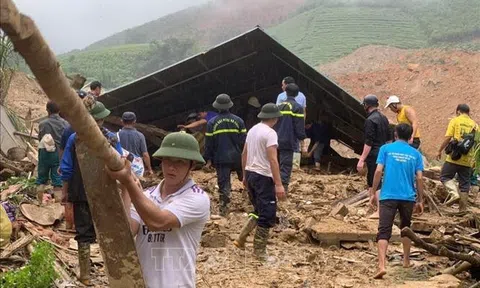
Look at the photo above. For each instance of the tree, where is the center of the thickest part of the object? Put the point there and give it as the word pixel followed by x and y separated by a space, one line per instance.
pixel 9 62
pixel 162 54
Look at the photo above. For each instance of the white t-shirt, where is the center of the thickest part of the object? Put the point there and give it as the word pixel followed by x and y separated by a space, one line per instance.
pixel 168 257
pixel 259 138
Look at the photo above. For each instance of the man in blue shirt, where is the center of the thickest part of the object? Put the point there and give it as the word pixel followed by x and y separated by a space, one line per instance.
pixel 134 141
pixel 74 191
pixel 282 97
pixel 204 117
pixel 402 168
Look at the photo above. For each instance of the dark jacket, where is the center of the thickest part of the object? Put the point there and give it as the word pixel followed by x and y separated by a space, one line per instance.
pixel 224 139
pixel 71 170
pixel 377 132
pixel 291 126
pixel 53 125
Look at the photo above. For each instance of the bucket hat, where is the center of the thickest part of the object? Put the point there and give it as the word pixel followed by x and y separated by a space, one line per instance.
pixel 180 145
pixel 222 102
pixel 269 111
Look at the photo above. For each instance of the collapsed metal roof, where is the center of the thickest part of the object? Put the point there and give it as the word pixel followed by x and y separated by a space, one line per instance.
pixel 251 64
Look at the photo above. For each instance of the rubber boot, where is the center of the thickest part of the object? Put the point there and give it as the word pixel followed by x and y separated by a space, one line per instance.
pixel 84 263
pixel 453 193
pixel 260 243
pixel 247 228
pixel 223 208
pixel 463 203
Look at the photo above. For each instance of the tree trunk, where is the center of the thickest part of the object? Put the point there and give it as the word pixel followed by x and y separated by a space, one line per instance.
pixel 440 251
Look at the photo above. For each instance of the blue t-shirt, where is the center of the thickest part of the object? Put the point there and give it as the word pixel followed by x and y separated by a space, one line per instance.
pixel 300 98
pixel 401 162
pixel 211 115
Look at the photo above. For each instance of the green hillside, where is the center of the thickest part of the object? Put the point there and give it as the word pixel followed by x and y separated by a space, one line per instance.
pixel 318 31
pixel 323 33
pixel 112 66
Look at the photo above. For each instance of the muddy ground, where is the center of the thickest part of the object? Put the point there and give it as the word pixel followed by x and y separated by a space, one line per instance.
pixel 296 258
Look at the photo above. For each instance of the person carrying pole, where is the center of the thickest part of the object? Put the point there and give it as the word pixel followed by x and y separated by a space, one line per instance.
pixel 168 219
pixel 74 191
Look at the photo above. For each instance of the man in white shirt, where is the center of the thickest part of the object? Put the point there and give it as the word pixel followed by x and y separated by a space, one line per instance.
pixel 168 219
pixel 262 179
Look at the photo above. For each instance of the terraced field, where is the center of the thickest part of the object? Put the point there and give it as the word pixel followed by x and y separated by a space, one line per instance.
pixel 112 65
pixel 323 34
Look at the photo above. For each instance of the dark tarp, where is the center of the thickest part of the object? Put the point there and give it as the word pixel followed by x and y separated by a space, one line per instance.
pixel 252 64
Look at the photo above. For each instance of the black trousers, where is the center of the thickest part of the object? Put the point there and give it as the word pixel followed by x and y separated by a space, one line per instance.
pixel 261 191
pixel 85 231
pixel 416 143
pixel 464 174
pixel 285 160
pixel 371 163
pixel 223 179
pixel 388 209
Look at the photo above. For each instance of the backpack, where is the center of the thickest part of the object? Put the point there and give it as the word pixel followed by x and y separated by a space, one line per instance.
pixel 136 162
pixel 467 143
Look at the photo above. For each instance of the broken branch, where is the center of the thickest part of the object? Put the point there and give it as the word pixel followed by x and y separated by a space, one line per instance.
pixel 17 245
pixel 440 251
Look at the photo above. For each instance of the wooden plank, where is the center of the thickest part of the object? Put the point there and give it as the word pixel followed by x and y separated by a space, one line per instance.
pixel 111 222
pixel 332 232
pixel 27 135
pixel 17 245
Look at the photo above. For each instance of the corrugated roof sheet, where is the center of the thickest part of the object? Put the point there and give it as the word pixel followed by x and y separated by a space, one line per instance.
pixel 251 64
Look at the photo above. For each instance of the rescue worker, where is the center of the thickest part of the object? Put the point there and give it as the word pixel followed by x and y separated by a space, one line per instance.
pixel 261 174
pixel 48 151
pixel 377 133
pixel 95 89
pixel 458 127
pixel 201 122
pixel 74 191
pixel 224 142
pixel 252 110
pixel 167 220
pixel 291 130
pixel 302 100
pixel 401 167
pixel 405 114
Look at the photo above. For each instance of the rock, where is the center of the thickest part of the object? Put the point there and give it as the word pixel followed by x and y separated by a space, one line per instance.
pixel 288 235
pixel 214 240
pixel 361 212
pixel 6 173
pixel 413 67
pixel 436 234
pixel 309 222
pixel 340 209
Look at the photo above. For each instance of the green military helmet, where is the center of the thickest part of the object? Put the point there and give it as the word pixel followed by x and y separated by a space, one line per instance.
pixel 99 111
pixel 180 145
pixel 222 102
pixel 269 111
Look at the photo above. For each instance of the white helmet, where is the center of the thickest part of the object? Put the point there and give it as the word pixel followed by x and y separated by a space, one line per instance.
pixel 392 100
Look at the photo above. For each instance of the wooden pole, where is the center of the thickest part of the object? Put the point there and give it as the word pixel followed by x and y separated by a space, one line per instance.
pixel 29 43
pixel 110 222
